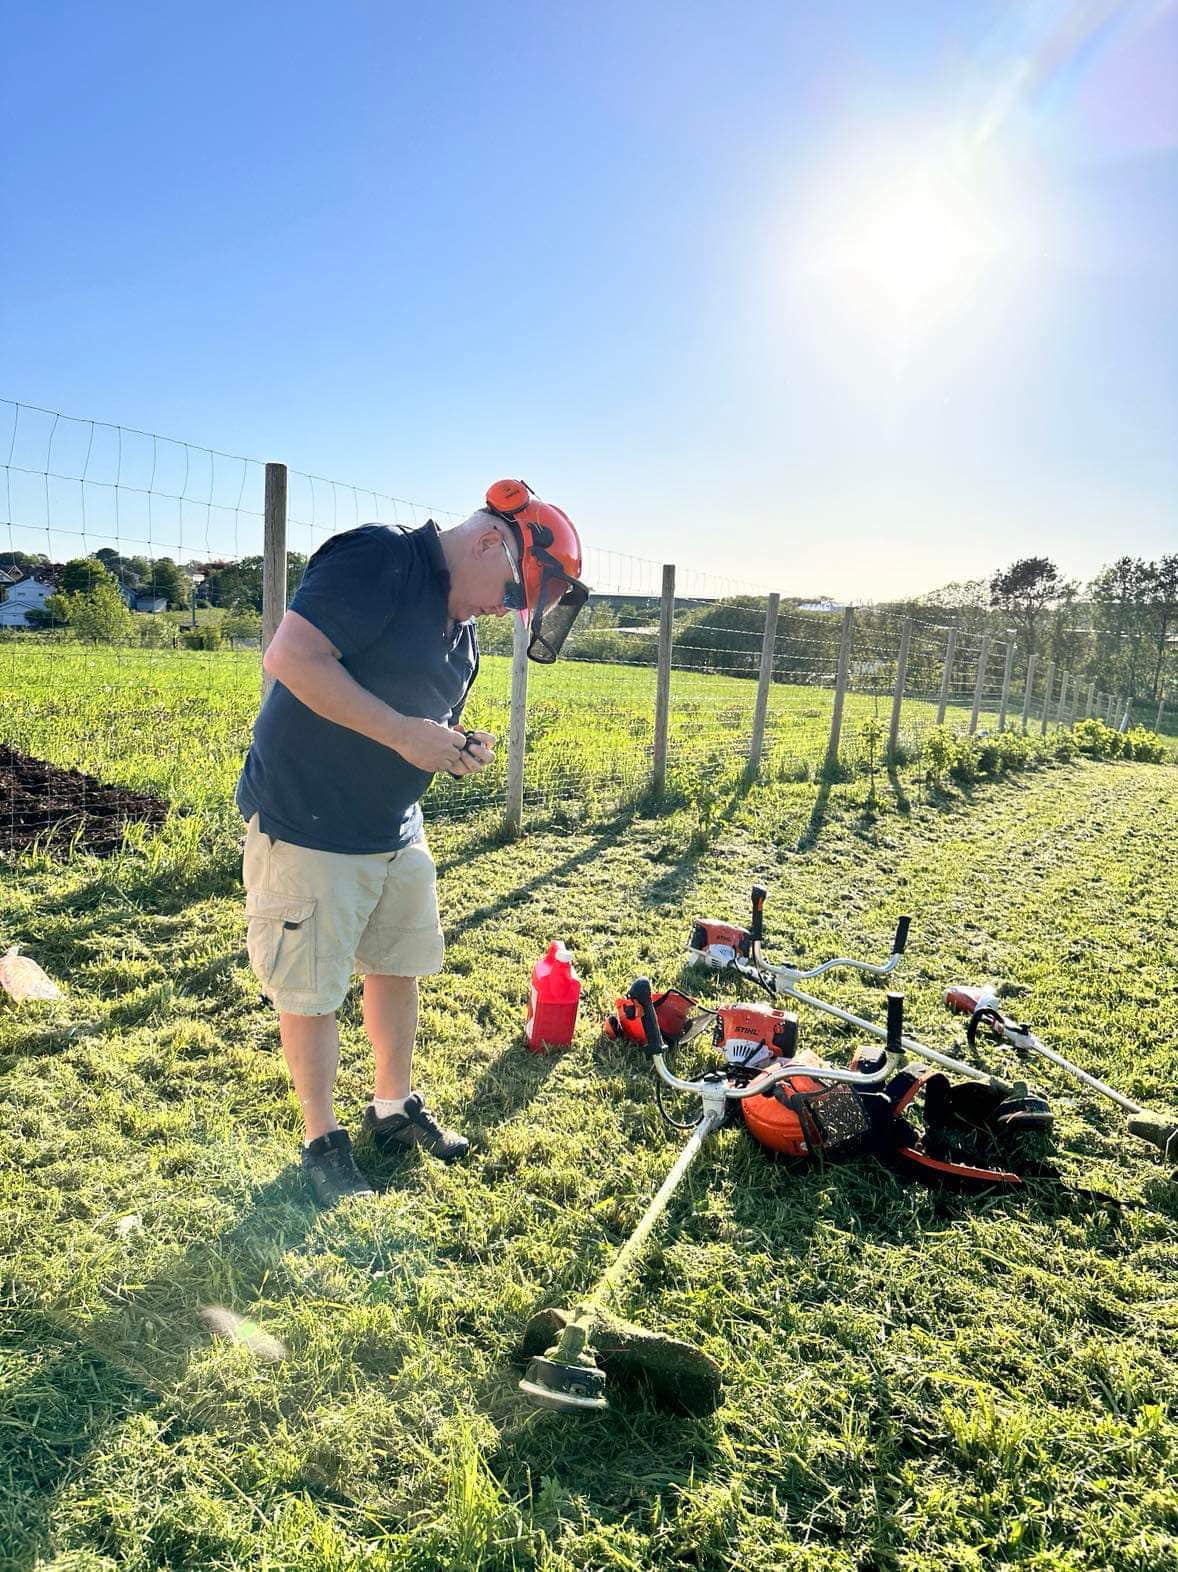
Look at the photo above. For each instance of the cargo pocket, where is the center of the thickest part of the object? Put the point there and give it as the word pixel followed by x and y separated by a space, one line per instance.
pixel 280 940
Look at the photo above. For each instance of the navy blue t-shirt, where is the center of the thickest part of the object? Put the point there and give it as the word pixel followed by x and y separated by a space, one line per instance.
pixel 380 596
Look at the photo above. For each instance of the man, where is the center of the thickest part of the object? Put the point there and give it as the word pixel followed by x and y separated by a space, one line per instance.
pixel 372 666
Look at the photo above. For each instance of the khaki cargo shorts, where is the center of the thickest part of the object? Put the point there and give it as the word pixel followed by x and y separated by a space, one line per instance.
pixel 315 917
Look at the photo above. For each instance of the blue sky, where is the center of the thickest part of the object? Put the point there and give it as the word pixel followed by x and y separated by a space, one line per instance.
pixel 854 299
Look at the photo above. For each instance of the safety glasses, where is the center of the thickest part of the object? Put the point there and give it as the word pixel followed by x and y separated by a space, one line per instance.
pixel 514 595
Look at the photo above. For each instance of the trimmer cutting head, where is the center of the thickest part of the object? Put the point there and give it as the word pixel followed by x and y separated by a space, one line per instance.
pixel 552 1383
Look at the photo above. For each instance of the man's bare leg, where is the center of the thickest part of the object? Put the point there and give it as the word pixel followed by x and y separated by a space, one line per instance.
pixel 311 1046
pixel 390 1019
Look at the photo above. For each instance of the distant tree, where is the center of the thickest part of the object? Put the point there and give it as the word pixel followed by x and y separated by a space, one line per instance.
pixel 165 578
pixel 242 622
pixel 99 614
pixel 1066 638
pixel 81 574
pixel 1162 592
pixel 240 584
pixel 725 636
pixel 959 593
pixel 1120 596
pixel 22 559
pixel 121 568
pixel 1024 590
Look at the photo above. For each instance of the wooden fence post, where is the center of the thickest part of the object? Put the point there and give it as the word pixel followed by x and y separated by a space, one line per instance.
pixel 273 560
pixel 517 726
pixel 1063 698
pixel 1157 725
pixel 1006 670
pixel 983 662
pixel 1049 683
pixel 840 691
pixel 946 675
pixel 1124 726
pixel 1088 701
pixel 1029 686
pixel 898 695
pixel 765 676
pixel 662 693
pixel 1108 709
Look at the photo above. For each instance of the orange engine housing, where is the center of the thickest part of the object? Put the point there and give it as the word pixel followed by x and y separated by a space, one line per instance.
pixel 778 1127
pixel 753 1034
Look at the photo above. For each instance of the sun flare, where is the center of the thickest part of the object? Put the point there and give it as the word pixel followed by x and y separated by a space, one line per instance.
pixel 903 245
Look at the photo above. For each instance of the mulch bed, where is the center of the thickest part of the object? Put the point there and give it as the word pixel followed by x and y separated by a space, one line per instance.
pixel 40 801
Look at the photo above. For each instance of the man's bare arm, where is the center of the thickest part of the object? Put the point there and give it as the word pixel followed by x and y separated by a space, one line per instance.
pixel 305 661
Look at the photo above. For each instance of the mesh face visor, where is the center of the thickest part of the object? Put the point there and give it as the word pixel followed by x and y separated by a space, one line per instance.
pixel 561 599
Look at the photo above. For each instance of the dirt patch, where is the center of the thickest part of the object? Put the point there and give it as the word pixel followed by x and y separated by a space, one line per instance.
pixel 40 801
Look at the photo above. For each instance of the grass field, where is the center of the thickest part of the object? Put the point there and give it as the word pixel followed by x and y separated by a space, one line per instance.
pixel 178 722
pixel 913 1380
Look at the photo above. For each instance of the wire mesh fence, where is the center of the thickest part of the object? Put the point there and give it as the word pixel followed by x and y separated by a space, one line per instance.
pixel 130 636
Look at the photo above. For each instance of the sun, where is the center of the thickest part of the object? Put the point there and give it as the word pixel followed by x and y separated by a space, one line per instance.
pixel 900 246
pixel 914 248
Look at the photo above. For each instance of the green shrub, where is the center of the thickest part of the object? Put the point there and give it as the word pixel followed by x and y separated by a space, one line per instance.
pixel 242 622
pixel 1096 739
pixel 1144 745
pixel 206 637
pixel 940 748
pixel 964 766
pixel 155 633
pixel 1064 745
pixel 989 756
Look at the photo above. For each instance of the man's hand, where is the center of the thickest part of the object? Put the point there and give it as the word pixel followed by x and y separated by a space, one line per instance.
pixel 430 746
pixel 478 752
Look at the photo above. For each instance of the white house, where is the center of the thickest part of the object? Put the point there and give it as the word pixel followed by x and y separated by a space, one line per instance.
pixel 22 597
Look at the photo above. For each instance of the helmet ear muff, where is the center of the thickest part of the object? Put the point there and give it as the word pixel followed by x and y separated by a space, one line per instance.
pixel 508 496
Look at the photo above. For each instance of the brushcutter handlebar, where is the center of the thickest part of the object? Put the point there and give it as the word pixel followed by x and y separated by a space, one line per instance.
pixel 782 976
pixel 790 974
pixel 640 993
pixel 714 1087
pixel 757 926
pixel 895 1037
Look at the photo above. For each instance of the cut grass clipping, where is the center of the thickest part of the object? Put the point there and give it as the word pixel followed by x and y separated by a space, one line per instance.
pixel 910 1379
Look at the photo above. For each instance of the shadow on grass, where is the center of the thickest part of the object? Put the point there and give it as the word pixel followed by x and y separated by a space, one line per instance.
pixel 808 839
pixel 507 1085
pixel 902 800
pixel 609 835
pixel 70 1384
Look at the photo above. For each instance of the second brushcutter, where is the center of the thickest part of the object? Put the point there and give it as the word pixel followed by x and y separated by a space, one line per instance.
pixel 986 1013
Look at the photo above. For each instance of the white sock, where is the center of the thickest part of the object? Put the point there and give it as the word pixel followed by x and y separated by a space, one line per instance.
pixel 385 1107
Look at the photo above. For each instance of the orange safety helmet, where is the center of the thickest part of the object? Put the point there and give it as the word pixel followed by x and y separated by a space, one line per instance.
pixel 550 593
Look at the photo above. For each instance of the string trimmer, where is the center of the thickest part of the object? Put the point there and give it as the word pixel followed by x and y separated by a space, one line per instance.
pixel 568 1375
pixel 999 1104
pixel 793 1104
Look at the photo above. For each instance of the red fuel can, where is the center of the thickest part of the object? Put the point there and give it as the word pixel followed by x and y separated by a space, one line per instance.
pixel 552 1005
